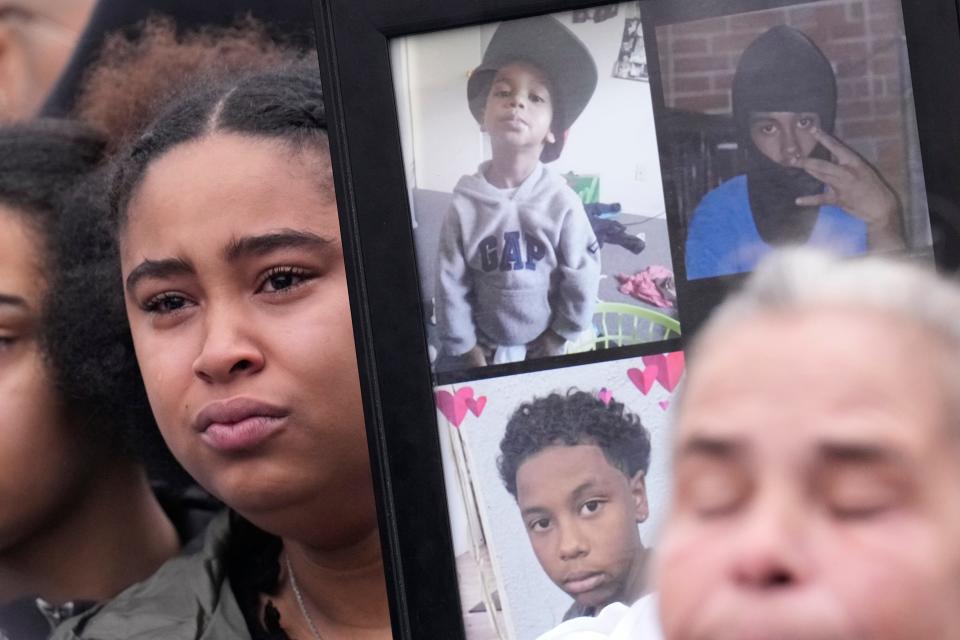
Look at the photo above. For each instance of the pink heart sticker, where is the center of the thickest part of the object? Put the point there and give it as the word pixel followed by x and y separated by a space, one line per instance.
pixel 605 396
pixel 644 380
pixel 664 404
pixel 476 405
pixel 670 366
pixel 454 406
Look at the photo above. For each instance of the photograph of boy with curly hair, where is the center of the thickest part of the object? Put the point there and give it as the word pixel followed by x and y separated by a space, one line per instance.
pixel 576 466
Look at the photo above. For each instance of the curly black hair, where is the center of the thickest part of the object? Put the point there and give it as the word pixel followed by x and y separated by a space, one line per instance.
pixel 87 335
pixel 51 176
pixel 40 163
pixel 572 419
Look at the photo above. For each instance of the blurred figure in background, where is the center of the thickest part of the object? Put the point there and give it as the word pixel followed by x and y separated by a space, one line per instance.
pixel 68 455
pixel 816 464
pixel 817 460
pixel 36 40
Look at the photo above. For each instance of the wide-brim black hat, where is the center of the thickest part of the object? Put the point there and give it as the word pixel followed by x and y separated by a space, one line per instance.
pixel 553 49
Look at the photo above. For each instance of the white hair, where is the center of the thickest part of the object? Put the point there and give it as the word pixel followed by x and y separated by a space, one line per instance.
pixel 801 279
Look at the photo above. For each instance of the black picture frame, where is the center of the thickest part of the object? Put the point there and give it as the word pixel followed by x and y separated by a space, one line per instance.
pixel 353 38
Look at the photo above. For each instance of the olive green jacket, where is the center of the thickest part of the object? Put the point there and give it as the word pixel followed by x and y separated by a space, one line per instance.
pixel 188 598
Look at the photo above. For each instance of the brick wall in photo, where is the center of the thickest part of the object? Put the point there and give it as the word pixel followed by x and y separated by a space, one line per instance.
pixel 863 40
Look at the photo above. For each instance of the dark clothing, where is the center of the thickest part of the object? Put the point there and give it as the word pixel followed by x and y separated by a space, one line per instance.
pixel 289 21
pixel 32 618
pixel 213 592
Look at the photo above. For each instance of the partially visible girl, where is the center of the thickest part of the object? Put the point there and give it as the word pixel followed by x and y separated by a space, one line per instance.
pixel 78 519
pixel 233 275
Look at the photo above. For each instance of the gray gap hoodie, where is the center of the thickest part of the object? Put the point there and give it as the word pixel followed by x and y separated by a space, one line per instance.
pixel 510 267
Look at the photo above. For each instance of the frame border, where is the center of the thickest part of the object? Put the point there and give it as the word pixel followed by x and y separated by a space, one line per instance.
pixel 390 336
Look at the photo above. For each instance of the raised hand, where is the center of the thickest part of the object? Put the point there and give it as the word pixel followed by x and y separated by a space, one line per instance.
pixel 854 185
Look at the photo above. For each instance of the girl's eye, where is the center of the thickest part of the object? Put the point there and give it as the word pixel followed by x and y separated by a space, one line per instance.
pixel 590 507
pixel 805 123
pixel 280 279
pixel 165 303
pixel 768 129
pixel 541 524
pixel 7 342
pixel 534 97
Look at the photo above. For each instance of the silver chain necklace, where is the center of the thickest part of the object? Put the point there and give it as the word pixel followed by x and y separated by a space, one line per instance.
pixel 299 597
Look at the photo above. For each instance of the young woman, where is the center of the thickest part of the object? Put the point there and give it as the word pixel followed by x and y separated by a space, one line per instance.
pixel 66 463
pixel 233 277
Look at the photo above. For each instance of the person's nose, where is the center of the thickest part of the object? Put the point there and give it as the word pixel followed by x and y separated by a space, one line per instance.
pixel 789 146
pixel 769 553
pixel 229 349
pixel 517 100
pixel 572 544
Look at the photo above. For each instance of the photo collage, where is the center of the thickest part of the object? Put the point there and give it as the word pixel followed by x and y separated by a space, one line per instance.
pixel 575 181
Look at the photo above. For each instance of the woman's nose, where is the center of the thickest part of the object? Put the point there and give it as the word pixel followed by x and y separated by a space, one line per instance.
pixel 228 350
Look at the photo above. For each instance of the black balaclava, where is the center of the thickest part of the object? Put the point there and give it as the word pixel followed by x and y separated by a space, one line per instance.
pixel 782 70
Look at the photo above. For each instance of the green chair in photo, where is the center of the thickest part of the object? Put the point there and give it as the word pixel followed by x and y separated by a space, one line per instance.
pixel 617 324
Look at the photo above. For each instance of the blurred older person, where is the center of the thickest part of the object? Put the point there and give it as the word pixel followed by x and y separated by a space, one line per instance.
pixel 817 460
pixel 816 488
pixel 36 40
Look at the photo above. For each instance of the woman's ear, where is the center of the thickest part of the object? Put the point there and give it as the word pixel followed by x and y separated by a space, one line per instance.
pixel 550 139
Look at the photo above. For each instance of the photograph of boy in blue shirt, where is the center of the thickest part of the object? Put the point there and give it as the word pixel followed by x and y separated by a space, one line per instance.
pixel 577 467
pixel 784 107
pixel 518 262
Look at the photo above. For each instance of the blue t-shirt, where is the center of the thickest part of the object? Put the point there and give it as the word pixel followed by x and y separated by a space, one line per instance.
pixel 723 238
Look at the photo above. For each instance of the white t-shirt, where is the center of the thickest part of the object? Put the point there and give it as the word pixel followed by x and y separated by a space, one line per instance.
pixel 616 621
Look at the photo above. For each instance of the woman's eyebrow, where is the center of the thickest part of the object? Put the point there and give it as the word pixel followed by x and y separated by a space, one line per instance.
pixel 269 242
pixel 157 269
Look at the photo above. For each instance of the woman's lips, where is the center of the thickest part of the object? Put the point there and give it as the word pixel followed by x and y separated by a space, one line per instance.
pixel 239 424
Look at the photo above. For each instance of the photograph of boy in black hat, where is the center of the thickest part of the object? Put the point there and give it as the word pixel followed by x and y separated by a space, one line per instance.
pixel 577 467
pixel 518 265
pixel 802 185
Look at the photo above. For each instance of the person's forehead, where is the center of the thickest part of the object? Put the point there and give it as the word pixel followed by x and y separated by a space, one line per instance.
pixel 781 115
pixel 803 376
pixel 558 470
pixel 520 69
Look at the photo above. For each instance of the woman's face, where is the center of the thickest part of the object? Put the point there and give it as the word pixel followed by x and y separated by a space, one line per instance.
pixel 41 455
pixel 237 299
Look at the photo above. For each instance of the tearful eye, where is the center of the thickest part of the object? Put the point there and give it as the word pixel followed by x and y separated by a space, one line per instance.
pixel 283 278
pixel 165 303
